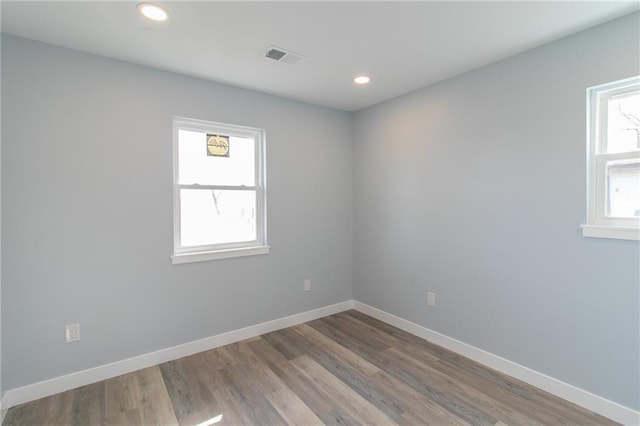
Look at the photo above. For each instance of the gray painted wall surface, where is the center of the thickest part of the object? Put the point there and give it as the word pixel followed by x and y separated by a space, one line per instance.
pixel 87 212
pixel 474 188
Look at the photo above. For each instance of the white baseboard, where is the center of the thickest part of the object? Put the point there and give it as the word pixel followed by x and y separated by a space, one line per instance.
pixel 556 387
pixel 597 404
pixel 13 397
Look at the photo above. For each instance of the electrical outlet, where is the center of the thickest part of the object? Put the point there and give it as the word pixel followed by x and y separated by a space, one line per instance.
pixel 431 299
pixel 307 285
pixel 71 333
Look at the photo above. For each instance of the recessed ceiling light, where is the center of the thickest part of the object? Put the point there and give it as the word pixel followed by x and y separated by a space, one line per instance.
pixel 361 79
pixel 153 12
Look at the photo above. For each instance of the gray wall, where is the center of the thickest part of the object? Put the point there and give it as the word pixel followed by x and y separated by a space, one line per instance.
pixel 474 188
pixel 87 212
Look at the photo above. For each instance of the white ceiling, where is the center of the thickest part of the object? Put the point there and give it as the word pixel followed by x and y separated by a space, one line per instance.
pixel 402 45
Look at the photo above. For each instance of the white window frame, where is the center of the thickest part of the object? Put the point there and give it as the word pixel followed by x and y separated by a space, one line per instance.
pixel 598 223
pixel 221 251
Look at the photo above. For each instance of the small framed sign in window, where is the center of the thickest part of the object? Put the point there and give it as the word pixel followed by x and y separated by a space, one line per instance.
pixel 217 145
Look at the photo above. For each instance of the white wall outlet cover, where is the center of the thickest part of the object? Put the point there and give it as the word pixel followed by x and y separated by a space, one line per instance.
pixel 71 333
pixel 431 299
pixel 307 285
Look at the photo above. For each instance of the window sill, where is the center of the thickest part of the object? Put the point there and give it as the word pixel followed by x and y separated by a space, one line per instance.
pixel 218 254
pixel 614 232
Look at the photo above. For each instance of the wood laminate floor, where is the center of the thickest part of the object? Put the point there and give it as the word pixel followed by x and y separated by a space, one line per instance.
pixel 344 369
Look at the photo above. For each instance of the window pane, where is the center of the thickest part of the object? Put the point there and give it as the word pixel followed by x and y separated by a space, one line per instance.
pixel 623 126
pixel 197 165
pixel 623 188
pixel 217 216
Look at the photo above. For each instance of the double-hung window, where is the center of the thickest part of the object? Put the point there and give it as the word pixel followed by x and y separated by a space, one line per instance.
pixel 614 160
pixel 219 191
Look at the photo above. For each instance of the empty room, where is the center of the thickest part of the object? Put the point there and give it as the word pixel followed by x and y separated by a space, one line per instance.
pixel 318 212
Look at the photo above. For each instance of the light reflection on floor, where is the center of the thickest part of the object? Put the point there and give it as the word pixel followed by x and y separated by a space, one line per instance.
pixel 211 421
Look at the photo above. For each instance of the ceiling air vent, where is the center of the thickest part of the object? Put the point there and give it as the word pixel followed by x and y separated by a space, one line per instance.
pixel 282 55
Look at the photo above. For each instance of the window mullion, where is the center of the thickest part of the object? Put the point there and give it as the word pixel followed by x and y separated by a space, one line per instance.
pixel 218 187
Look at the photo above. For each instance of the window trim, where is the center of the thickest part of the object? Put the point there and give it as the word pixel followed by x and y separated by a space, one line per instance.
pixel 598 223
pixel 228 250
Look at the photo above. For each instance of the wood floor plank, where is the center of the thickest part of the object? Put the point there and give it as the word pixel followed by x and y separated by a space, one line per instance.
pixel 393 397
pixel 338 416
pixel 315 398
pixel 287 343
pixel 346 322
pixel 138 398
pixel 406 339
pixel 361 328
pixel 345 369
pixel 59 407
pixel 291 408
pixel 88 405
pixel 351 401
pixel 411 339
pixel 413 379
pixel 218 359
pixel 324 403
pixel 226 405
pixel 34 413
pixel 262 377
pixel 186 383
pixel 252 402
pixel 255 381
pixel 540 406
pixel 357 344
pixel 352 371
pixel 418 376
pixel 498 400
pixel 223 404
pixel 80 406
pixel 470 397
